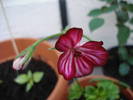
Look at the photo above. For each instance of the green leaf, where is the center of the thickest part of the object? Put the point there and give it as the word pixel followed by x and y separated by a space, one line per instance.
pixel 104 90
pixel 110 8
pixel 122 16
pixel 124 69
pixel 131 20
pixel 123 53
pixel 109 90
pixel 29 74
pixel 123 5
pixel 95 12
pixel 37 76
pixel 131 31
pixel 105 9
pixel 29 85
pixel 123 34
pixel 96 23
pixel 75 91
pixel 130 7
pixel 90 93
pixel 21 79
pixel 108 1
pixel 130 60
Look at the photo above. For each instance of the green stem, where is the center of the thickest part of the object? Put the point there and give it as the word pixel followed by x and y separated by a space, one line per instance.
pixel 46 38
pixel 87 38
pixel 52 36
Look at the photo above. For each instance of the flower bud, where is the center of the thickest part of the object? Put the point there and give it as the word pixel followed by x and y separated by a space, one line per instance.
pixel 18 63
pixel 23 59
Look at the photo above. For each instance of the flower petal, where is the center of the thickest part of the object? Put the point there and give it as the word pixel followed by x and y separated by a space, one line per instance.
pixel 18 63
pixel 66 65
pixel 83 66
pixel 94 52
pixel 93 43
pixel 69 40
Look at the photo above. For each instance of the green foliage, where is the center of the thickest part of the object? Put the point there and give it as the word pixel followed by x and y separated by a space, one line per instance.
pixel 123 34
pixel 122 9
pixel 29 85
pixel 104 90
pixel 110 8
pixel 95 12
pixel 130 60
pixel 130 7
pixel 22 79
pixel 123 53
pixel 108 1
pixel 91 93
pixel 75 91
pixel 124 85
pixel 29 79
pixel 124 69
pixel 122 16
pixel 96 23
pixel 37 76
pixel 131 20
pixel 105 9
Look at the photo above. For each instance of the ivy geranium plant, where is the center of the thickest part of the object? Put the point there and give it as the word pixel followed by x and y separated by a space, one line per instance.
pixel 102 90
pixel 123 11
pixel 29 79
pixel 76 59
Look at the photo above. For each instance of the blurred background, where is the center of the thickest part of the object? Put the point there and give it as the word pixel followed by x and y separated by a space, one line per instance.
pixel 40 18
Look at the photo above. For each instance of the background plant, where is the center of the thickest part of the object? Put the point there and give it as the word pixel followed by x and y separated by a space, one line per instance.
pixel 123 11
pixel 29 79
pixel 104 90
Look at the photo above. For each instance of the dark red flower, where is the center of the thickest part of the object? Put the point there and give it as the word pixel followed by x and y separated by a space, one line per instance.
pixel 78 60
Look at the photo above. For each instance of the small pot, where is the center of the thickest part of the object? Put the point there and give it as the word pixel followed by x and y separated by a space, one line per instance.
pixel 42 52
pixel 85 82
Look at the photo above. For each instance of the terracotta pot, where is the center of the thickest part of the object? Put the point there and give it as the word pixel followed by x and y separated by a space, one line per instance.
pixel 42 52
pixel 85 82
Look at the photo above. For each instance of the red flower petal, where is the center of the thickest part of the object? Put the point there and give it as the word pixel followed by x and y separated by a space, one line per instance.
pixel 66 66
pixel 83 66
pixel 93 43
pixel 69 40
pixel 94 52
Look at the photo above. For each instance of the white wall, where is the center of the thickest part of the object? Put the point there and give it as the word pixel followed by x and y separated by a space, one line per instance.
pixel 39 18
pixel 30 18
pixel 78 10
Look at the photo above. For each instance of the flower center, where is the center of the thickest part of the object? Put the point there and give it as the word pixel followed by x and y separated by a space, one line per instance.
pixel 76 53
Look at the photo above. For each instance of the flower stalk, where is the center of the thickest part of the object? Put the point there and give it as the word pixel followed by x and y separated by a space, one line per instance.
pixel 53 36
pixel 46 38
